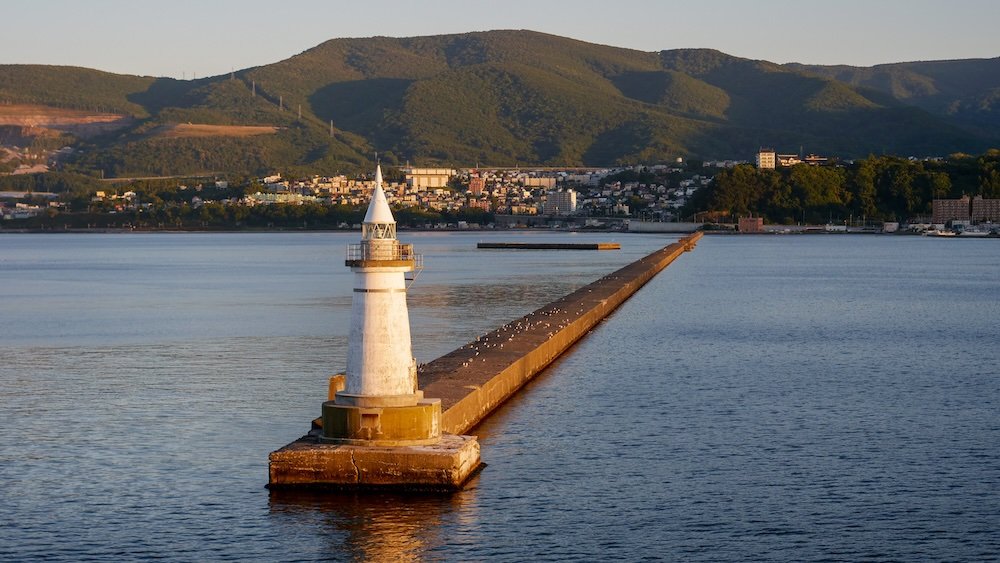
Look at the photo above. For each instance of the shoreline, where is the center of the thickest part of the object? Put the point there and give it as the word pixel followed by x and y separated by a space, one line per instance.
pixel 409 230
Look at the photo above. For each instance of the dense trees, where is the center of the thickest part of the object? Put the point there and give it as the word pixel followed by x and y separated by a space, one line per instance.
pixel 878 187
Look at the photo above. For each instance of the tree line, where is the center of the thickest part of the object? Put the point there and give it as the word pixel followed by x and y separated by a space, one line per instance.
pixel 881 188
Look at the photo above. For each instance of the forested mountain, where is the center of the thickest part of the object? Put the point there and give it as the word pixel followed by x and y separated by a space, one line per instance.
pixel 511 97
pixel 963 92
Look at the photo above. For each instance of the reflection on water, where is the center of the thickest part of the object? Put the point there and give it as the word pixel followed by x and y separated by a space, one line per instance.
pixel 377 526
pixel 770 398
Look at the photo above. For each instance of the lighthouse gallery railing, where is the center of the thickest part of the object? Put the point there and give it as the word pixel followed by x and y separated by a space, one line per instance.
pixel 362 252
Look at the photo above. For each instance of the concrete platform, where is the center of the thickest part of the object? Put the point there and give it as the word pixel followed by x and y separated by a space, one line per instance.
pixel 308 463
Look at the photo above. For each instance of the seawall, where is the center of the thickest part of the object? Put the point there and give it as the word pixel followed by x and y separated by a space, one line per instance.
pixel 478 377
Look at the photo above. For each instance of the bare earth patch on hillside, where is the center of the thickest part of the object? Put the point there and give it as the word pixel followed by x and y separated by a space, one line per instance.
pixel 200 130
pixel 35 120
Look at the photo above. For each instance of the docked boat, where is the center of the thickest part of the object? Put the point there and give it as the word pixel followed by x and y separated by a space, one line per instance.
pixel 940 233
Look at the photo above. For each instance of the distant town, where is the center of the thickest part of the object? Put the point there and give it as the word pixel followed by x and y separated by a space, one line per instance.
pixel 507 197
pixel 641 198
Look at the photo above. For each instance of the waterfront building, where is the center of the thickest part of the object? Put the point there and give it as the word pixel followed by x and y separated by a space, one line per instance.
pixel 751 224
pixel 944 210
pixel 966 209
pixel 985 210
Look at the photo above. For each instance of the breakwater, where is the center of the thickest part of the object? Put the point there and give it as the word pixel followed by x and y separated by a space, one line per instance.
pixel 470 383
pixel 477 378
pixel 549 246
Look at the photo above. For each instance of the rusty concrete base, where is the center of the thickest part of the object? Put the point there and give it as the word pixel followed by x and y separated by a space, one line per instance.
pixel 308 463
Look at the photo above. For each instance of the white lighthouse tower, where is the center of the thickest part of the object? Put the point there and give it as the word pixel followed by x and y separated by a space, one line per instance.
pixel 380 404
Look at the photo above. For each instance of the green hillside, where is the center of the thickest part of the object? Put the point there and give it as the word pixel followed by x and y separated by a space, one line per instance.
pixel 73 87
pixel 964 92
pixel 516 97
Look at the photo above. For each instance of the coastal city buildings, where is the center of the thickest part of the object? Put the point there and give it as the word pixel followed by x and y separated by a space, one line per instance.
pixel 441 198
pixel 985 210
pixel 476 185
pixel 965 209
pixel 428 177
pixel 944 210
pixel 563 193
pixel 768 159
pixel 560 202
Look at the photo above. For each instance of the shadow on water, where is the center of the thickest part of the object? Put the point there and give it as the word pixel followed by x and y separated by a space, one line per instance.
pixel 376 525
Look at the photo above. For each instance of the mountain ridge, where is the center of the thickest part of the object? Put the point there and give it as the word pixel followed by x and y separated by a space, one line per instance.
pixel 520 97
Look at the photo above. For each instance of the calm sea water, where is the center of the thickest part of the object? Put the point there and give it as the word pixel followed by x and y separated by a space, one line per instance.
pixel 764 398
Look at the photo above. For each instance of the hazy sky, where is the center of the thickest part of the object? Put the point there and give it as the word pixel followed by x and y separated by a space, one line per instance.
pixel 208 37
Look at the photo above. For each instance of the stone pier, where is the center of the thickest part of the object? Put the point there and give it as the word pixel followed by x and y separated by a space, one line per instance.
pixel 470 382
pixel 477 378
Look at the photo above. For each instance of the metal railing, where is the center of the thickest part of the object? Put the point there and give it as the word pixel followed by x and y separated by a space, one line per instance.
pixel 394 252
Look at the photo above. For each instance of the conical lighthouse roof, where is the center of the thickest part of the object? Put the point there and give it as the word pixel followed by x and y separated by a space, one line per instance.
pixel 378 209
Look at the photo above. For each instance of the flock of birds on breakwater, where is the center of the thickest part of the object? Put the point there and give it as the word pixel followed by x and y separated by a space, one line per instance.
pixel 552 317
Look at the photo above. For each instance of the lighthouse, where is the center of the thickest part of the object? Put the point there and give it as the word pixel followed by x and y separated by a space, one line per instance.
pixel 377 429
pixel 380 404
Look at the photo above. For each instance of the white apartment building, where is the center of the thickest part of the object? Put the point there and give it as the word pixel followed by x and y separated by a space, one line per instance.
pixel 766 159
pixel 561 202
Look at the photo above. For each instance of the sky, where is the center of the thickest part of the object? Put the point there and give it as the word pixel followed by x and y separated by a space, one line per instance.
pixel 198 38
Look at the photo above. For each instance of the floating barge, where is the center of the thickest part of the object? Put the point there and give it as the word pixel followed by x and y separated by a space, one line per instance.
pixel 549 246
